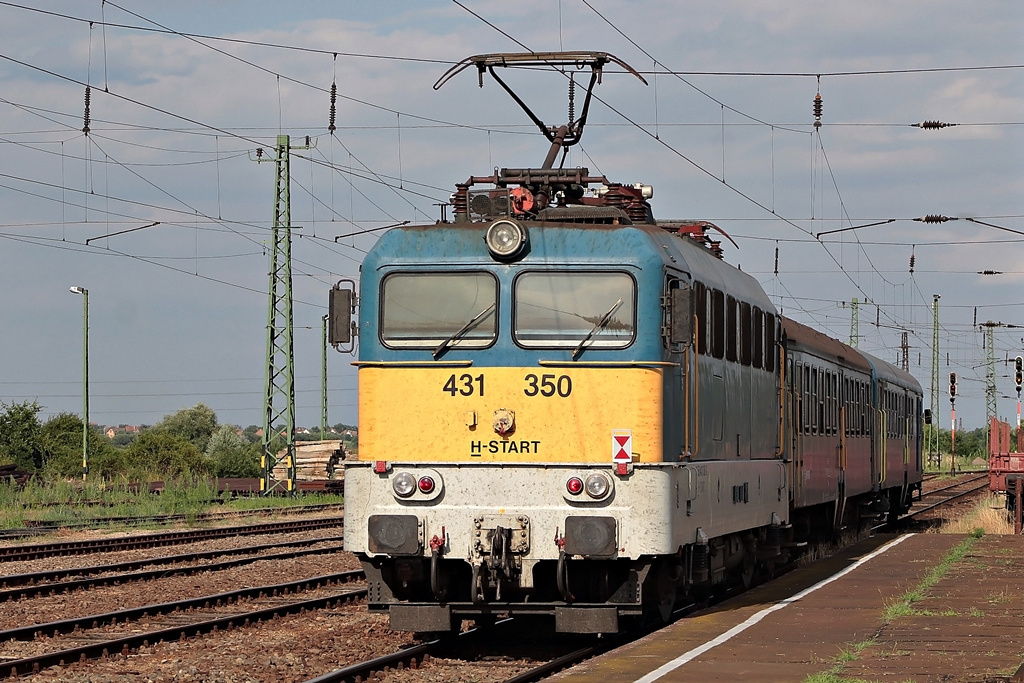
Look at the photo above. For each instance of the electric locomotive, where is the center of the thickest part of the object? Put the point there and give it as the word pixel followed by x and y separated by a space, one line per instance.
pixel 569 409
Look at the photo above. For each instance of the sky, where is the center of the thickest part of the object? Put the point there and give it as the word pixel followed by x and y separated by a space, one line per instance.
pixel 182 94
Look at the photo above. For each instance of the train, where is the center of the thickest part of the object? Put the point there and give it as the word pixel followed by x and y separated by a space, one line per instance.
pixel 572 410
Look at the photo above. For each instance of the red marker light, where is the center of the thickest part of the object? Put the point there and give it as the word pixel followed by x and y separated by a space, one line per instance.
pixel 426 484
pixel 574 485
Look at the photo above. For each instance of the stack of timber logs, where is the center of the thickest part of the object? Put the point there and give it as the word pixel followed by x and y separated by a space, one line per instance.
pixel 314 460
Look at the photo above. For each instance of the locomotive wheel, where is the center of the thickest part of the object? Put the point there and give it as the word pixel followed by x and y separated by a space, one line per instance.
pixel 747 575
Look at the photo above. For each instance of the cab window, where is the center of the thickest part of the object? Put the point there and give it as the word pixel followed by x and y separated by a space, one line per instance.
pixel 422 310
pixel 561 310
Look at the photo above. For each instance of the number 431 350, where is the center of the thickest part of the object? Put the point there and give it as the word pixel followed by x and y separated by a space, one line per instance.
pixel 545 385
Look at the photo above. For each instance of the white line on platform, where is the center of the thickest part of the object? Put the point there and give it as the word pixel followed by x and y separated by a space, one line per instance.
pixel 740 628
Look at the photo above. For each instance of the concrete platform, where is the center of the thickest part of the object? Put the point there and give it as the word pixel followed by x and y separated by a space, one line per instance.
pixel 968 626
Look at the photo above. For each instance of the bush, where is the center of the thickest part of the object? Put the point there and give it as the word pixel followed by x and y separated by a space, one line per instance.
pixel 162 454
pixel 20 441
pixel 231 455
pixel 196 425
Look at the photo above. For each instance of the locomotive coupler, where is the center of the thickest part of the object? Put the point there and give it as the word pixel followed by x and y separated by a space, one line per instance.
pixel 437 583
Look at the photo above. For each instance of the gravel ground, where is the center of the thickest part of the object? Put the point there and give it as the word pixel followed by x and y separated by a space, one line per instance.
pixel 87 560
pixel 290 648
pixel 109 598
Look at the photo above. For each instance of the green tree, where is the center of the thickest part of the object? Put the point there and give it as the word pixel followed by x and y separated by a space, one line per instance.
pixel 252 435
pixel 62 450
pixel 163 454
pixel 122 439
pixel 196 425
pixel 231 455
pixel 20 439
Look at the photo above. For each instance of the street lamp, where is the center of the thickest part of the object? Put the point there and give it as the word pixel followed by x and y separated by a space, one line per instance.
pixel 85 377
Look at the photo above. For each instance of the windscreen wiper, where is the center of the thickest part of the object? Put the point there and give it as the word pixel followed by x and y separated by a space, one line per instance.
pixel 605 319
pixel 462 330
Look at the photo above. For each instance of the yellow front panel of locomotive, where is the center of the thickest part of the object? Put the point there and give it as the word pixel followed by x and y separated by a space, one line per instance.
pixel 509 414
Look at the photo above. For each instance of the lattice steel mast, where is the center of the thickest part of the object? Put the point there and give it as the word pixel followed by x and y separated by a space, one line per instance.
pixel 279 398
pixel 854 323
pixel 991 407
pixel 933 446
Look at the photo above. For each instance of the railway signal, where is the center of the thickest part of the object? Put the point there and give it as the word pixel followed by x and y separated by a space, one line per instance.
pixel 1018 377
pixel 952 429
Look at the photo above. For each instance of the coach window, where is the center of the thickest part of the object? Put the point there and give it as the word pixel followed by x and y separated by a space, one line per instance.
pixel 730 329
pixel 718 324
pixel 821 401
pixel 422 310
pixel 835 402
pixel 846 405
pixel 829 402
pixel 806 383
pixel 794 385
pixel 562 310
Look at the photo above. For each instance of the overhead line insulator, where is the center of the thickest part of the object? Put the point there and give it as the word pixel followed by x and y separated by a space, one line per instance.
pixel 86 117
pixel 932 125
pixel 334 99
pixel 817 110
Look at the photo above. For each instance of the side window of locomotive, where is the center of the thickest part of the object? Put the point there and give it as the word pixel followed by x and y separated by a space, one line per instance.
pixel 700 310
pixel 757 336
pixel 731 331
pixel 769 342
pixel 717 324
pixel 560 310
pixel 422 310
pixel 746 340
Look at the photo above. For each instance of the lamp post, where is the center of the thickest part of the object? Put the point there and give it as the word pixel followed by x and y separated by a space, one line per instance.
pixel 85 377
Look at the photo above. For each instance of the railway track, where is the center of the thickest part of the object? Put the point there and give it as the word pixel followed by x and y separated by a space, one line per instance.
pixel 19 586
pixel 491 639
pixel 42 527
pixel 945 495
pixel 180 619
pixel 35 551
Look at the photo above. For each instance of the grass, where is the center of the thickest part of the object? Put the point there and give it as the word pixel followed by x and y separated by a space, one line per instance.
pixel 904 605
pixel 989 516
pixel 901 607
pixel 65 502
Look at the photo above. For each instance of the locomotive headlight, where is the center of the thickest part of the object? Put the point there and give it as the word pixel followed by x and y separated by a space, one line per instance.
pixel 597 485
pixel 505 239
pixel 403 484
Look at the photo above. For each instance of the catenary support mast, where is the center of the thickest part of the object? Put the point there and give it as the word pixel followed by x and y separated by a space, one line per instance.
pixel 279 397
